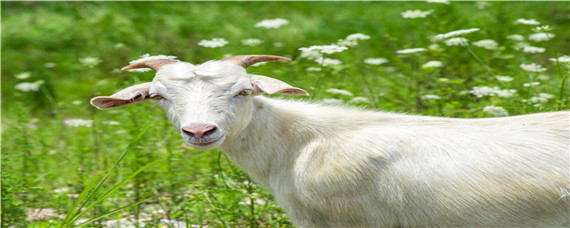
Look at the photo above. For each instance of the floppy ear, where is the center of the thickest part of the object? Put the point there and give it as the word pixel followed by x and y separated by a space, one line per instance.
pixel 271 86
pixel 126 96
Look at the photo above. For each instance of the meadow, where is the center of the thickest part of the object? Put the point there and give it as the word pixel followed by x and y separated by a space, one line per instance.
pixel 65 163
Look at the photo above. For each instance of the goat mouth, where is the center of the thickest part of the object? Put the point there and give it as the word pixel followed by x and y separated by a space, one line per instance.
pixel 207 143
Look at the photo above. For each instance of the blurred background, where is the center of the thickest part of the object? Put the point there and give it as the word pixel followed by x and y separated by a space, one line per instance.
pixel 56 56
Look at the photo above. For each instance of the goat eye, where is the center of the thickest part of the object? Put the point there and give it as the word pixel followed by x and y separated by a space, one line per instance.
pixel 244 92
pixel 156 97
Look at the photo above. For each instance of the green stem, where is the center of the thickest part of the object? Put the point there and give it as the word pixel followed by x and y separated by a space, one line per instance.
pixel 480 61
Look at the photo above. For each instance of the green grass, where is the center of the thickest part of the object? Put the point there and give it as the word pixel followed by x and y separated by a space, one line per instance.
pixel 46 163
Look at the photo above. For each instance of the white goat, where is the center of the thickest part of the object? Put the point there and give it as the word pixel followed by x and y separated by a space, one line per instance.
pixel 341 166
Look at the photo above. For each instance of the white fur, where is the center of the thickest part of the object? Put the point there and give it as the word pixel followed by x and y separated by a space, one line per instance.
pixel 343 166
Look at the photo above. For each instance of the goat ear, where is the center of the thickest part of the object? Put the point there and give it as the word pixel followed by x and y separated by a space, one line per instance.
pixel 126 96
pixel 271 86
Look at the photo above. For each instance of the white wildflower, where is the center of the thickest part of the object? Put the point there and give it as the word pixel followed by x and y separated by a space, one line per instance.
pixel 515 37
pixel 431 97
pixel 111 122
pixel 332 101
pixel 251 42
pixel 314 69
pixel 311 54
pixel 328 61
pixel 61 190
pixel 147 57
pixel 78 122
pixel 432 64
pixel 213 43
pixel 278 44
pixel 562 59
pixel 375 61
pixel 358 36
pixel 416 13
pixel 537 37
pixel 506 92
pixel 531 84
pixel 410 50
pixel 495 110
pixel 352 39
pixel 527 21
pixel 541 98
pixel 272 23
pixel 533 67
pixel 90 61
pixel 481 91
pixel 433 47
pixel 50 65
pixel 438 1
pixel 504 78
pixel 339 91
pixel 532 49
pixel 327 49
pixel 27 87
pixel 359 100
pixel 455 33
pixel 23 75
pixel 487 44
pixel 456 41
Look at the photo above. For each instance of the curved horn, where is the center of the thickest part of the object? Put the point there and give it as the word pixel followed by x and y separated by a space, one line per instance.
pixel 248 60
pixel 154 64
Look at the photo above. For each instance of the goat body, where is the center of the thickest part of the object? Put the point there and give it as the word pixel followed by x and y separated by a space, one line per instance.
pixel 332 166
pixel 341 166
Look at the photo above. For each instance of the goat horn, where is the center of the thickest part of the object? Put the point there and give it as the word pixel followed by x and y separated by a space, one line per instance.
pixel 154 64
pixel 248 60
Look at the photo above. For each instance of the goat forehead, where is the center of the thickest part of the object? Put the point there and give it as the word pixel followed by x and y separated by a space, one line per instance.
pixel 212 73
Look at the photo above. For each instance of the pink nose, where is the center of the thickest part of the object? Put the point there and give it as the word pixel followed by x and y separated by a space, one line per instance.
pixel 199 130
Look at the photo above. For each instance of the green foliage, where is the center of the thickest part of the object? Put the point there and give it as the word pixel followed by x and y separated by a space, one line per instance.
pixel 54 142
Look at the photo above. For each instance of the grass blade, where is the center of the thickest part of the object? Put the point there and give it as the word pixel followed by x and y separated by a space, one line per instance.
pixel 90 191
pixel 114 211
pixel 115 188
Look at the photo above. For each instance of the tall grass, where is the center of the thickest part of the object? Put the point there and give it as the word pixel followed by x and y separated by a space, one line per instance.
pixel 57 55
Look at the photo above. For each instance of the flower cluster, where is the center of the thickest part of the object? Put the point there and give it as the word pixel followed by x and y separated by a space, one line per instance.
pixel 455 33
pixel 495 110
pixel 481 91
pixel 213 43
pixel 538 37
pixel 90 61
pixel 527 21
pixel 375 61
pixel 410 50
pixel 272 23
pixel 486 44
pixel 531 49
pixel 78 122
pixel 27 86
pixel 416 13
pixel 352 39
pixel 457 41
pixel 432 64
pixel 533 67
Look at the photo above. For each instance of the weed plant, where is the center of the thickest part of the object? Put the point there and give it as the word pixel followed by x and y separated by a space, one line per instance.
pixel 59 154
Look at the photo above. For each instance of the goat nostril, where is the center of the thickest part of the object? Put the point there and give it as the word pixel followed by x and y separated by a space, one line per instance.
pixel 210 131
